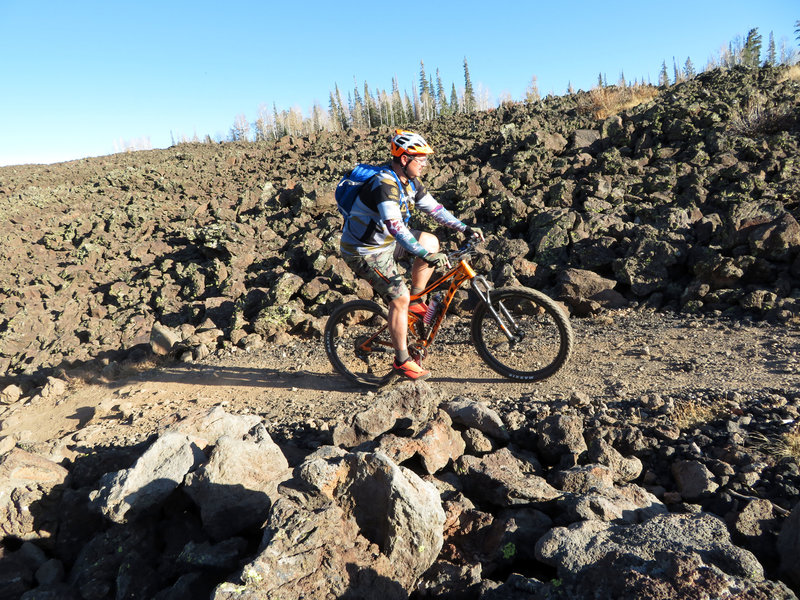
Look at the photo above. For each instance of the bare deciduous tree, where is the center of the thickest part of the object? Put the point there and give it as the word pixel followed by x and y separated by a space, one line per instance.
pixel 240 129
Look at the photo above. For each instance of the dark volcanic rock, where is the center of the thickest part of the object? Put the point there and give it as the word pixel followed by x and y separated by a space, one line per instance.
pixel 685 201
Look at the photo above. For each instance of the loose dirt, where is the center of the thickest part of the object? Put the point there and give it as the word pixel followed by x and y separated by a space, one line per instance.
pixel 621 355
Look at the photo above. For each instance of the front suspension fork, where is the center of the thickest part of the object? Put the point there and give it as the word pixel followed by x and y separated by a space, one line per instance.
pixel 485 296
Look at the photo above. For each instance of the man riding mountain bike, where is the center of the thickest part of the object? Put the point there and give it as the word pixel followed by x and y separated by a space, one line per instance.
pixel 376 236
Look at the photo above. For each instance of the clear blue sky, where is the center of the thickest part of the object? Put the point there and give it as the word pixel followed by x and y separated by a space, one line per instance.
pixel 78 78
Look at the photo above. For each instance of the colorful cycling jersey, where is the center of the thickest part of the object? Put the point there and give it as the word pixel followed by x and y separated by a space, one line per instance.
pixel 379 214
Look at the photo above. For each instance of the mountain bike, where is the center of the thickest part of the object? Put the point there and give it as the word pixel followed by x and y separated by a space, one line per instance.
pixel 519 332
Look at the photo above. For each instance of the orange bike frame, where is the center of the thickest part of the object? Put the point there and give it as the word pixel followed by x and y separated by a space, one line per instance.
pixel 459 274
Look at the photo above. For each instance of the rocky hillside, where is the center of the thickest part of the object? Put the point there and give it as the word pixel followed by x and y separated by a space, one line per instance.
pixel 687 201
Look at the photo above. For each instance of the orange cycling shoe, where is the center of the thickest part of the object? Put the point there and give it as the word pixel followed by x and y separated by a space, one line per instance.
pixel 418 308
pixel 410 370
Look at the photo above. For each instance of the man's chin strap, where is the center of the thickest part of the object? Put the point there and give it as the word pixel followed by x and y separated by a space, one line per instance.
pixel 404 167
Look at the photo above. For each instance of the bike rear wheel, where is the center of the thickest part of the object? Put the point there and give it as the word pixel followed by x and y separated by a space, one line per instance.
pixel 541 336
pixel 358 343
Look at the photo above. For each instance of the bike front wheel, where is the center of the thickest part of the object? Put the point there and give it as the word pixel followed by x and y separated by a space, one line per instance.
pixel 524 335
pixel 358 343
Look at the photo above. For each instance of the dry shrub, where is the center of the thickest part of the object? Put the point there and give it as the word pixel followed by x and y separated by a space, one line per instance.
pixel 756 118
pixel 790 443
pixel 786 445
pixel 691 413
pixel 603 102
pixel 792 72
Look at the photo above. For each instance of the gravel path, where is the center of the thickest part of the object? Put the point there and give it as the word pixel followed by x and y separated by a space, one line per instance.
pixel 621 356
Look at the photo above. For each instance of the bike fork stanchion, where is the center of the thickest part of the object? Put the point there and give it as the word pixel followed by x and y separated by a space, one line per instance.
pixel 485 296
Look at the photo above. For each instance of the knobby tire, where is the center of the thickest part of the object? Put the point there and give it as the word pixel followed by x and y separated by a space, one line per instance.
pixel 348 326
pixel 544 341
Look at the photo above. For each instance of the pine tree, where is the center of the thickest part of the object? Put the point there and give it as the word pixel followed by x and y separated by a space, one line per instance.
pixel 344 123
pixel 688 69
pixel 600 80
pixel 373 112
pixel 397 104
pixel 663 77
pixel 333 114
pixel 469 92
pixel 622 83
pixel 444 108
pixel 432 92
pixel 454 103
pixel 350 108
pixel 797 30
pixel 423 79
pixel 317 117
pixel 358 111
pixel 570 89
pixel 279 129
pixel 771 59
pixel 751 53
pixel 423 101
pixel 676 73
pixel 408 110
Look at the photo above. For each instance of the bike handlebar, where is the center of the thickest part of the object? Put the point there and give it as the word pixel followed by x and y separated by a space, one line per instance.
pixel 468 249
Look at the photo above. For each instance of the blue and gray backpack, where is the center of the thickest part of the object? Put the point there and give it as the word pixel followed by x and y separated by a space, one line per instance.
pixel 350 185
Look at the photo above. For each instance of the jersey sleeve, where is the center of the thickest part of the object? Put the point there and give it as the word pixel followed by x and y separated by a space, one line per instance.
pixel 392 217
pixel 389 202
pixel 439 213
pixel 405 238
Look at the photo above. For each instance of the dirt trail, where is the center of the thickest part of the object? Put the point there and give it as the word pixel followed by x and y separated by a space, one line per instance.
pixel 620 355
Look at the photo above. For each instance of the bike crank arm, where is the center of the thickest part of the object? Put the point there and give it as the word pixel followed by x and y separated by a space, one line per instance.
pixel 485 296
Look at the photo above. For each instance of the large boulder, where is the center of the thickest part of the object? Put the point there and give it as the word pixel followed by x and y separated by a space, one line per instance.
pixel 476 415
pixel 577 284
pixel 590 493
pixel 694 480
pixel 668 556
pixel 204 428
pixel 436 445
pixel 125 494
pixel 30 490
pixel 646 265
pixel 504 478
pixel 351 524
pixel 624 468
pixel 560 439
pixel 235 488
pixel 408 406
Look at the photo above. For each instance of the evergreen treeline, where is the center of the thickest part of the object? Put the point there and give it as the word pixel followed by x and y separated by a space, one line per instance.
pixel 365 108
pixel 747 51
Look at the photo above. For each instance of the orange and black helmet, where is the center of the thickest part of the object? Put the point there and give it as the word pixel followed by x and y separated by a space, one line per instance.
pixel 408 142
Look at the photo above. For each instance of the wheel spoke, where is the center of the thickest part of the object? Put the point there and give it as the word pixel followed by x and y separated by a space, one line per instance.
pixel 541 338
pixel 358 343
